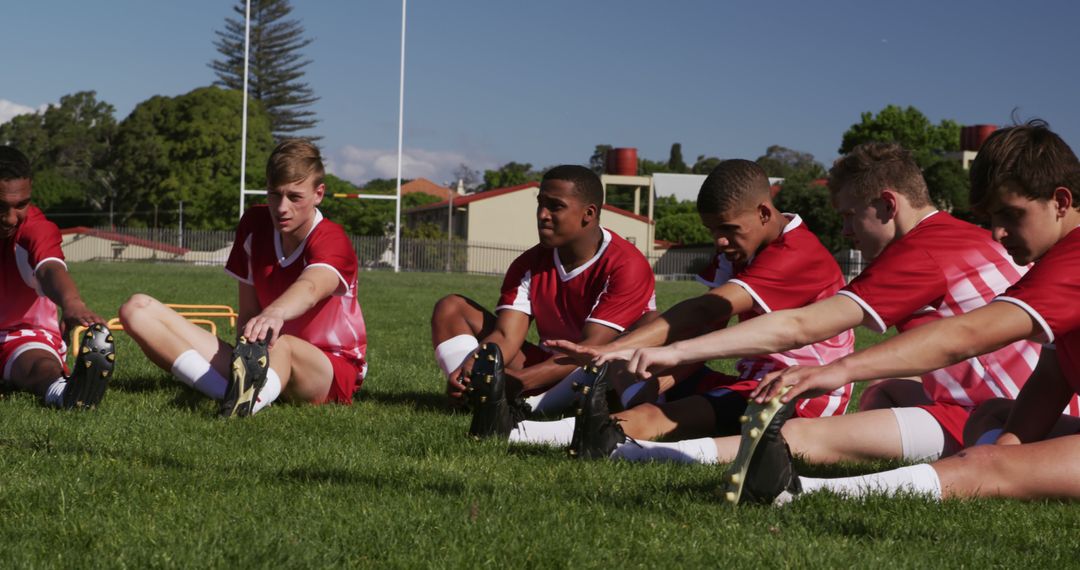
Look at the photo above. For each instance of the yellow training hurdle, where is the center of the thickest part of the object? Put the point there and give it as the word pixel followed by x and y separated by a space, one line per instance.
pixel 196 314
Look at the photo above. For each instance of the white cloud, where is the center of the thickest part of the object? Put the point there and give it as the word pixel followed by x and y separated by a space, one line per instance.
pixel 361 164
pixel 9 109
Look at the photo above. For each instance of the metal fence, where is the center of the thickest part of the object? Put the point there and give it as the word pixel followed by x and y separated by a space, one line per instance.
pixel 211 247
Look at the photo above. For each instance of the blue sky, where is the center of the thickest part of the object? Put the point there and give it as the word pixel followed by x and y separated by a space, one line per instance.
pixel 489 81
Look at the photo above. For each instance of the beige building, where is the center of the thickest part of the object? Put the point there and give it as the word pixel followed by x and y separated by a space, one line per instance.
pixel 505 218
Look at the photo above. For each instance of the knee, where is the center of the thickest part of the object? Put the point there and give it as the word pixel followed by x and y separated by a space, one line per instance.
pixel 797 431
pixel 135 306
pixel 638 422
pixel 448 306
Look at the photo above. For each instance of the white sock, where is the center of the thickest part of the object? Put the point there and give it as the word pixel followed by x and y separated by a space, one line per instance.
pixel 629 393
pixel 558 397
pixel 917 479
pixel 990 437
pixel 701 450
pixel 451 353
pixel 195 371
pixel 556 433
pixel 55 395
pixel 270 391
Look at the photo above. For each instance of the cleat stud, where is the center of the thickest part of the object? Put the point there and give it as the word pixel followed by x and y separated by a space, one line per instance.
pixel 586 389
pixel 580 411
pixel 111 357
pixel 744 419
pixel 85 349
pixel 476 355
pixel 763 416
pixel 491 357
pixel 104 373
pixel 575 385
pixel 572 452
pixel 734 479
pixel 755 433
pixel 483 399
pixel 108 338
pixel 86 363
pixel 730 497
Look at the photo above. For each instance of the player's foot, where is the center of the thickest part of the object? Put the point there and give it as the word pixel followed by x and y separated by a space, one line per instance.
pixel 250 360
pixel 596 433
pixel 93 368
pixel 493 414
pixel 763 469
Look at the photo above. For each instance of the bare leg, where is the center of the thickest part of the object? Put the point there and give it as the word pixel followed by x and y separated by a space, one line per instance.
pixel 305 371
pixel 682 419
pixel 455 315
pixel 35 370
pixel 1045 469
pixel 893 393
pixel 164 335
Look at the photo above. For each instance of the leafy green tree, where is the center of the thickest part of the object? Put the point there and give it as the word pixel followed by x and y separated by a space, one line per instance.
pixel 188 148
pixel 511 174
pixel 69 147
pixel 705 164
pixel 665 206
pixel 684 228
pixel 363 216
pixel 598 160
pixel 675 160
pixel 276 70
pixel 782 162
pixel 950 187
pixel 907 126
pixel 812 202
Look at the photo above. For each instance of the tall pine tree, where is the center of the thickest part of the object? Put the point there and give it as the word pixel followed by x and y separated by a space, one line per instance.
pixel 276 66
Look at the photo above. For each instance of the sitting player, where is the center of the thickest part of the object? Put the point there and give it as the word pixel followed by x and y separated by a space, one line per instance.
pixel 34 282
pixel 581 282
pixel 926 265
pixel 767 261
pixel 1027 180
pixel 303 334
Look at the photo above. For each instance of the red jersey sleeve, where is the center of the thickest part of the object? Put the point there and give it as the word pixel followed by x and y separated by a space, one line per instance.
pixel 239 263
pixel 900 282
pixel 793 275
pixel 1049 290
pixel 630 292
pixel 515 288
pixel 42 241
pixel 332 249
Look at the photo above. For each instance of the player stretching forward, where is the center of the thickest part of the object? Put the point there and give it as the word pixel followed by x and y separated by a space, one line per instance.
pixel 767 261
pixel 302 330
pixel 926 265
pixel 581 282
pixel 1027 180
pixel 34 282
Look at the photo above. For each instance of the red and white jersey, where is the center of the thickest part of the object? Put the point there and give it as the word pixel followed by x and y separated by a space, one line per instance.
pixel 1048 293
pixel 941 268
pixel 335 324
pixel 792 271
pixel 25 306
pixel 614 288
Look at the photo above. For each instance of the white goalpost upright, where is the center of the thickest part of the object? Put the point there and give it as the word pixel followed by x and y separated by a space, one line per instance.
pixel 401 128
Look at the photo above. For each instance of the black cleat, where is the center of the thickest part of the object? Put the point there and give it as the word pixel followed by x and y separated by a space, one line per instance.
pixel 93 368
pixel 763 468
pixel 493 414
pixel 250 361
pixel 596 433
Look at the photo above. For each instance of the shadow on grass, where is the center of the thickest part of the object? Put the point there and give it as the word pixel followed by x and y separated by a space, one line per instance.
pixel 419 401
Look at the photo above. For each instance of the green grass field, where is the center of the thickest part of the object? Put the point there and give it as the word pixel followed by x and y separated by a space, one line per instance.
pixel 153 479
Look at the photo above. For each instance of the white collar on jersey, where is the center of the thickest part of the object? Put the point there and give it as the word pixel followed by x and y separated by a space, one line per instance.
pixel 564 276
pixel 281 259
pixel 924 218
pixel 794 222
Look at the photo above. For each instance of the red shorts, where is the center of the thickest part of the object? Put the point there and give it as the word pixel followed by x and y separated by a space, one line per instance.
pixel 14 343
pixel 952 418
pixel 348 377
pixel 716 383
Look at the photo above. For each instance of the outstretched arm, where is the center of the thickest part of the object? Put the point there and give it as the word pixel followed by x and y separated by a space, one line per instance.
pixel 313 285
pixel 58 286
pixel 916 352
pixel 555 369
pixel 684 320
pixel 1039 404
pixel 772 332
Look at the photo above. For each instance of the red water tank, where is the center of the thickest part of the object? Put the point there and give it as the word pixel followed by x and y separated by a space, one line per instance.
pixel 965 138
pixel 621 161
pixel 982 132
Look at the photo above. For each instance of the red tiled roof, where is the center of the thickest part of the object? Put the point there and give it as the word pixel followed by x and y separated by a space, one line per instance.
pixel 126 239
pixel 425 186
pixel 463 200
